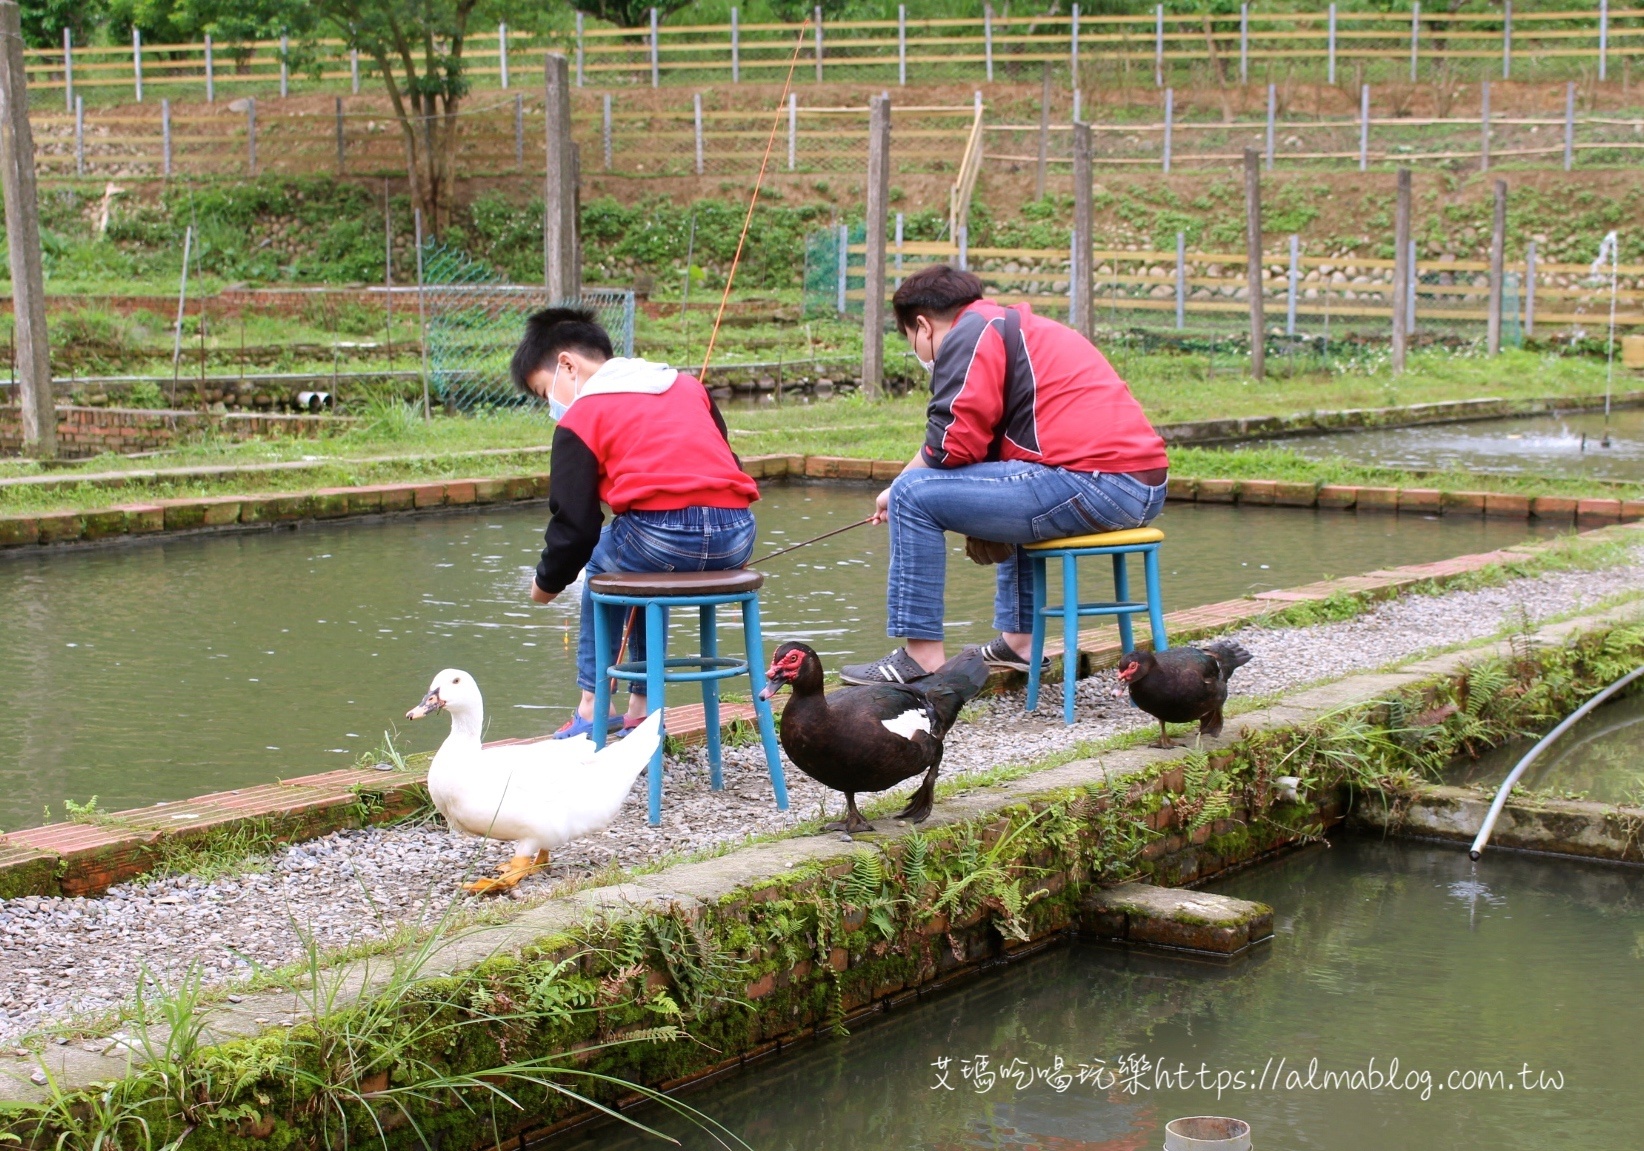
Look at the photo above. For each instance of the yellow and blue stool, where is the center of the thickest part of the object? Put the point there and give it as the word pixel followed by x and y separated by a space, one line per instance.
pixel 1134 541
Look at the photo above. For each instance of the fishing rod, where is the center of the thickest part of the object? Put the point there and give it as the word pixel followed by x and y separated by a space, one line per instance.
pixel 809 542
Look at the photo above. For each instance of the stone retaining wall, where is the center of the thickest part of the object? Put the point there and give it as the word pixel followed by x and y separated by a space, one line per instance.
pixel 91 431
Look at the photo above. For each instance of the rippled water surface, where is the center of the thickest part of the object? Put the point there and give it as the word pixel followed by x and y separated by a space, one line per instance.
pixel 1523 969
pixel 176 667
pixel 1573 444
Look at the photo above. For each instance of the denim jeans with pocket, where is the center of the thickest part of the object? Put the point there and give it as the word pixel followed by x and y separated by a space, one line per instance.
pixel 687 540
pixel 1009 502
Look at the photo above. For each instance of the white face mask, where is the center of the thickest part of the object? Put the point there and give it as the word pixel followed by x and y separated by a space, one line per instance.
pixel 930 364
pixel 557 410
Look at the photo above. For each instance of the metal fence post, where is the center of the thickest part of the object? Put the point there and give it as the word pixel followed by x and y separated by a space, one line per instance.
pixel 68 70
pixel 902 44
pixel 736 48
pixel 1498 244
pixel 137 62
pixel 1244 43
pixel 1415 37
pixel 354 70
pixel 1181 280
pixel 285 67
pixel 502 53
pixel 79 136
pixel 1415 278
pixel 1158 46
pixel 1073 46
pixel 342 140
pixel 1292 278
pixel 1402 270
pixel 251 134
pixel 1529 289
pixel 987 39
pixel 656 52
pixel 817 16
pixel 1484 126
pixel 1080 283
pixel 842 281
pixel 899 226
pixel 1364 128
pixel 579 49
pixel 165 137
pixel 793 130
pixel 963 237
pixel 1169 125
pixel 1569 125
pixel 211 73
pixel 878 195
pixel 1603 39
pixel 519 130
pixel 1077 102
pixel 1272 110
pixel 605 128
pixel 1253 266
pixel 1044 136
pixel 696 108
pixel 1506 39
pixel 1330 74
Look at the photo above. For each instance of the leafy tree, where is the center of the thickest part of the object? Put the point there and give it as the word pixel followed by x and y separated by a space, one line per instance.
pixel 628 13
pixel 44 21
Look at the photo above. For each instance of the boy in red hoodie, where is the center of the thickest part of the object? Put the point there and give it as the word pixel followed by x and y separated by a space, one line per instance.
pixel 648 442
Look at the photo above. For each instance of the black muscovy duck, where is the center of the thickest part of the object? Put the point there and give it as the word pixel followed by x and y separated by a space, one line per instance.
pixel 1182 684
pixel 872 737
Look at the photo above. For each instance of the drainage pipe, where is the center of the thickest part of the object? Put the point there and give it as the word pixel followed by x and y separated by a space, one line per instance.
pixel 1530 757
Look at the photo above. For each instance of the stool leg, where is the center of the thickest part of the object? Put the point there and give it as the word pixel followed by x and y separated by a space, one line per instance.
pixel 1155 599
pixel 1121 592
pixel 1036 650
pixel 710 701
pixel 762 707
pixel 656 656
pixel 603 658
pixel 1070 634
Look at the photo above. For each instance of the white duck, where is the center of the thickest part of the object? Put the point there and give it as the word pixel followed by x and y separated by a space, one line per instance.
pixel 539 794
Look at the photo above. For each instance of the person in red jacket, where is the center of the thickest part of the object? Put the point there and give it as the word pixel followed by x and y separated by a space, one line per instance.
pixel 1030 435
pixel 648 442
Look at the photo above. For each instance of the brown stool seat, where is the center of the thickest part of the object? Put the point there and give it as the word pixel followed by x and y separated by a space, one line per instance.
pixel 733 582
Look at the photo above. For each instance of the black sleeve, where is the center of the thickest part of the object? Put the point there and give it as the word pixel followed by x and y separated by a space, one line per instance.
pixel 574 512
pixel 719 422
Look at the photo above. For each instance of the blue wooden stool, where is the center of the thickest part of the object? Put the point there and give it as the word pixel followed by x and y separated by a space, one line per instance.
pixel 656 593
pixel 1119 544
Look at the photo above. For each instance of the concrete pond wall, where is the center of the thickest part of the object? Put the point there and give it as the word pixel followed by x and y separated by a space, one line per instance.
pixel 689 971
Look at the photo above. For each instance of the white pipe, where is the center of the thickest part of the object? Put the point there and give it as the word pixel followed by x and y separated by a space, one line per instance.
pixel 1483 836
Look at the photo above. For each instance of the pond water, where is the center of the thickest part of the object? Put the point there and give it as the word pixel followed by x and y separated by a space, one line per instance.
pixel 179 666
pixel 1601 758
pixel 1383 950
pixel 1568 445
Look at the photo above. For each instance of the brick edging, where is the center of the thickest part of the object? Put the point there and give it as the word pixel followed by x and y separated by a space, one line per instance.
pixel 87 859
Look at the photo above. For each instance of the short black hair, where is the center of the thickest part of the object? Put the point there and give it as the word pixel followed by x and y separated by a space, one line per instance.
pixel 555 330
pixel 938 292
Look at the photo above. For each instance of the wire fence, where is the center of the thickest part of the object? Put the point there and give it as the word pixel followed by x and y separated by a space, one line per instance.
pixel 1162 46
pixel 708 134
pixel 1308 300
pixel 472 321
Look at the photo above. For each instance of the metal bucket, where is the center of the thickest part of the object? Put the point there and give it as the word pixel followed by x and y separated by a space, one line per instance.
pixel 1207 1133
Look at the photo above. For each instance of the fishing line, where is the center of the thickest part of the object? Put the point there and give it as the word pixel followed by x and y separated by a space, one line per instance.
pixel 730 277
pixel 809 542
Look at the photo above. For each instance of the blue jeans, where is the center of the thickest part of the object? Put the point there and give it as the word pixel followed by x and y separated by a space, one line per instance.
pixel 1008 502
pixel 689 539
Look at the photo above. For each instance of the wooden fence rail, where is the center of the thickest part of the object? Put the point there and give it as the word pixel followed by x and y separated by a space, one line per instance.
pixel 1244 47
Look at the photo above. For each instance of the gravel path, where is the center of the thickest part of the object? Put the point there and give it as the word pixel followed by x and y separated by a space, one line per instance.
pixel 73 957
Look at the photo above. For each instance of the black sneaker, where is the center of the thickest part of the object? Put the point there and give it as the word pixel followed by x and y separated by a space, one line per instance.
pixel 999 654
pixel 897 667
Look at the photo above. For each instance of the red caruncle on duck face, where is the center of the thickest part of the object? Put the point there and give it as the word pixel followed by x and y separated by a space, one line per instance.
pixel 785 668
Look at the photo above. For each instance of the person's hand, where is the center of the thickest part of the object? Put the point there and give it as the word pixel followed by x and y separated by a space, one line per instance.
pixel 540 596
pixel 881 508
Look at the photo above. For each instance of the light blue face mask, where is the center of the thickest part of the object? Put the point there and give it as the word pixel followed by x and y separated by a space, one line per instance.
pixel 556 410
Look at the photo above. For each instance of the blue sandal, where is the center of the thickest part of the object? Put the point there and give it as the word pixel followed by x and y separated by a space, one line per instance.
pixel 576 726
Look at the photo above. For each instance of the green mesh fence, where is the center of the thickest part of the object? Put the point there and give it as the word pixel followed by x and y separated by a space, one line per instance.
pixel 473 322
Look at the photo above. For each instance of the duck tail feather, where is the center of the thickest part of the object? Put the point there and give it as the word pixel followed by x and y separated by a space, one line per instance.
pixel 624 759
pixel 956 683
pixel 921 801
pixel 1230 654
